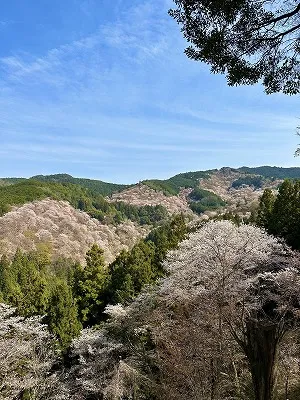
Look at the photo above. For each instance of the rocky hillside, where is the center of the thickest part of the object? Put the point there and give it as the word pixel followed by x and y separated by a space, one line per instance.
pixel 64 230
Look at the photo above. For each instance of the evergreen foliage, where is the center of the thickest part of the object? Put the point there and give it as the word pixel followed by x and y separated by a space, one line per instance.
pixel 249 41
pixel 90 286
pixel 202 200
pixel 281 215
pixel 173 185
pixel 256 181
pixel 144 215
pixel 30 190
pixel 143 265
pixel 70 295
pixel 62 313
pixel 31 284
pixel 130 272
pixel 266 205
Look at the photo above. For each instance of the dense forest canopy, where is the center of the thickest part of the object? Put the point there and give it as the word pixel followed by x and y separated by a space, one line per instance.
pixel 256 181
pixel 273 172
pixel 202 200
pixel 173 185
pixel 69 294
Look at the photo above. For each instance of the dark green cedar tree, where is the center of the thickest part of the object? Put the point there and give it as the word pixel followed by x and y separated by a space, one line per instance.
pixel 91 285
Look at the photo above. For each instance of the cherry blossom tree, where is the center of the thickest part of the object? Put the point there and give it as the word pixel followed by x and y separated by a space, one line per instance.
pixel 252 282
pixel 26 356
pixel 107 363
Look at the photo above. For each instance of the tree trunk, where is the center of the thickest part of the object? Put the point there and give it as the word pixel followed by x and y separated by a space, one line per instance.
pixel 262 340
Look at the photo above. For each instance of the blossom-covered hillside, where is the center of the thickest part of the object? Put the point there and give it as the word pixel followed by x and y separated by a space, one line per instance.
pixel 124 216
pixel 241 191
pixel 141 195
pixel 64 230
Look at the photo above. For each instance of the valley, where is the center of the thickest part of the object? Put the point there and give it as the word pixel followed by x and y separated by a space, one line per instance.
pixel 67 215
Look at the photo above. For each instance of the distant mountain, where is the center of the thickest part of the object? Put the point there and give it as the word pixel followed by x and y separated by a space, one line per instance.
pixel 273 172
pixel 210 192
pixel 137 207
pixel 172 186
pixel 95 186
pixel 173 193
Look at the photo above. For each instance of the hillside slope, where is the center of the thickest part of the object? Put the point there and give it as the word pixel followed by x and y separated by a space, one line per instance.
pixel 95 186
pixel 230 185
pixel 239 186
pixel 64 230
pixel 176 183
pixel 81 198
pixel 70 232
pixel 142 195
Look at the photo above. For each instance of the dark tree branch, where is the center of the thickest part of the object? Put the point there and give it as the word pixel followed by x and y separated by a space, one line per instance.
pixel 283 33
pixel 284 16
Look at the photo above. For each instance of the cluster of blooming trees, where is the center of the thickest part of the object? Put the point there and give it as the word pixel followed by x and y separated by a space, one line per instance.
pixel 65 230
pixel 142 194
pixel 223 323
pixel 27 354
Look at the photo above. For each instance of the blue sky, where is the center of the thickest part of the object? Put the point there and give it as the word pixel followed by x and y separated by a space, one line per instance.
pixel 102 89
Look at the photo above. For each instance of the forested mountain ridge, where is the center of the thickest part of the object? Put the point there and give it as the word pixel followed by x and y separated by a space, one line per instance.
pixel 191 179
pixel 273 172
pixel 95 186
pixel 224 190
pixel 134 209
pixel 170 186
pixel 235 188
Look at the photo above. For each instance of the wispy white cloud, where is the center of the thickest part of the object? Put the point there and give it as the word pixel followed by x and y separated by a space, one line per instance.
pixel 53 62
pixel 261 119
pixel 138 35
pixel 126 94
